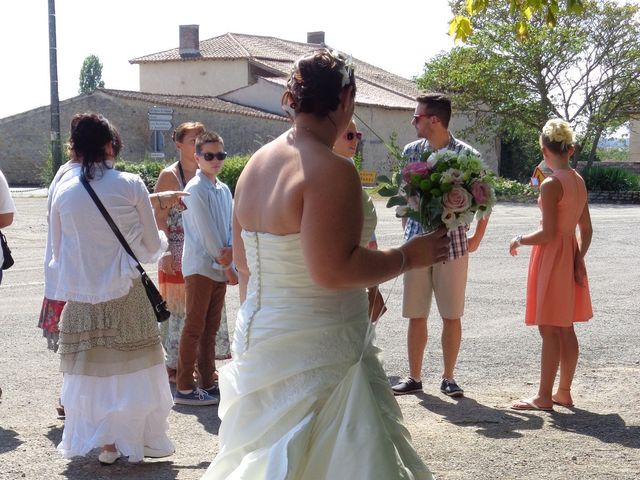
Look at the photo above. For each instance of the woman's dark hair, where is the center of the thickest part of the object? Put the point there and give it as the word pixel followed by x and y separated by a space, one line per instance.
pixel 317 81
pixel 90 132
pixel 116 142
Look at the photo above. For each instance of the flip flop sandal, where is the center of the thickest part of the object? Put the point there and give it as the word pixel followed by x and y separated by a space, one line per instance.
pixel 529 405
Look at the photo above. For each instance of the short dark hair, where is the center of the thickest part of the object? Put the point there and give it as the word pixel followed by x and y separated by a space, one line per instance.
pixel 437 104
pixel 207 137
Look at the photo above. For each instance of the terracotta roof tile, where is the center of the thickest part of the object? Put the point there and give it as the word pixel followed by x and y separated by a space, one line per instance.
pixel 376 86
pixel 192 101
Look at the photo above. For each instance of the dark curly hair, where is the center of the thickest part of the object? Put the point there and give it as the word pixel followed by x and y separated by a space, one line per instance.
pixel 90 132
pixel 316 82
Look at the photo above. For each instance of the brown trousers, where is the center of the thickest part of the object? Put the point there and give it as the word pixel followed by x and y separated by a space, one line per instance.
pixel 204 303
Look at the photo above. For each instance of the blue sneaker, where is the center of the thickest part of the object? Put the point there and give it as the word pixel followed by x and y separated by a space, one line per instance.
pixel 196 397
pixel 213 391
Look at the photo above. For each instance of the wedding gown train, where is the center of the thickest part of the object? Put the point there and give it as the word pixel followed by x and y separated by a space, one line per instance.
pixel 306 396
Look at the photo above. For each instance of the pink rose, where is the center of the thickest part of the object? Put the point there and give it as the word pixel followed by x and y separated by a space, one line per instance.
pixel 415 168
pixel 481 192
pixel 457 200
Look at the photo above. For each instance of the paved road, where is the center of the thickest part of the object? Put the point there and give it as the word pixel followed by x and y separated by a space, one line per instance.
pixel 477 437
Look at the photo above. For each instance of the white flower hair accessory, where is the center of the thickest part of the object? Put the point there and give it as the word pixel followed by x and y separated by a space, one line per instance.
pixel 558 130
pixel 347 70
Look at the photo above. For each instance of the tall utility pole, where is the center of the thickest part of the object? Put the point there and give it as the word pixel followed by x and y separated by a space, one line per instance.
pixel 56 151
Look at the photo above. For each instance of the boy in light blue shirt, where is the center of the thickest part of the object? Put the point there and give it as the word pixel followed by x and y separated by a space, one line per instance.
pixel 206 267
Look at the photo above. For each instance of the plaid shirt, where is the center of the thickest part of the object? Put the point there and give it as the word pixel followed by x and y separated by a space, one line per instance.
pixel 413 153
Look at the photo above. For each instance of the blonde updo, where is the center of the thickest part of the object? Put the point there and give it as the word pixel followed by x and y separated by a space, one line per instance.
pixel 557 135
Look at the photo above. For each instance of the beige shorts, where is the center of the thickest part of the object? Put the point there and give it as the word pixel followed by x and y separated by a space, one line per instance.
pixel 447 281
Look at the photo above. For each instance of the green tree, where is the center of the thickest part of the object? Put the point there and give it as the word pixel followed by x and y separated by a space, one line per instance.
pixel 585 70
pixel 523 12
pixel 91 74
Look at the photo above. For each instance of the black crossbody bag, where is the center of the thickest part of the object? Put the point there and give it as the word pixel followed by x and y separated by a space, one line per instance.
pixel 156 300
pixel 6 253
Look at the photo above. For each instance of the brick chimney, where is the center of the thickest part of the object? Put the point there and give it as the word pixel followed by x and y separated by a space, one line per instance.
pixel 189 41
pixel 316 38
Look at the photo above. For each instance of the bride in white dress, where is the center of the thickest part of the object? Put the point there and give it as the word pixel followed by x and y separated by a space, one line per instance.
pixel 306 396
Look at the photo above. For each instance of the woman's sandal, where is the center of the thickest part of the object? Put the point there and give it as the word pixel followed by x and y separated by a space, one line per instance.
pixel 60 411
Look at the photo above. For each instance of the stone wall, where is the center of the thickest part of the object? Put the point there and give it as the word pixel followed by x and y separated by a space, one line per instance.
pixel 615 197
pixel 633 167
pixel 24 138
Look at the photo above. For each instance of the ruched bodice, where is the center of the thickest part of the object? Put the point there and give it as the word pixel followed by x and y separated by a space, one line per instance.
pixel 281 289
pixel 306 386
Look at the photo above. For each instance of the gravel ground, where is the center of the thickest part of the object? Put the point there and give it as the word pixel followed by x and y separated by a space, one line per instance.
pixel 477 437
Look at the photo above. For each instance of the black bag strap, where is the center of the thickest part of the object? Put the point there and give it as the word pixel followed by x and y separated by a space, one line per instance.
pixel 110 221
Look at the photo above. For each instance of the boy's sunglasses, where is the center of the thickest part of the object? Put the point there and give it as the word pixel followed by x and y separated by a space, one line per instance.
pixel 208 156
pixel 351 135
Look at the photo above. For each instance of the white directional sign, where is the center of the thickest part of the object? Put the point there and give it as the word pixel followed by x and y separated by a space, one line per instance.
pixel 155 125
pixel 161 110
pixel 156 155
pixel 158 117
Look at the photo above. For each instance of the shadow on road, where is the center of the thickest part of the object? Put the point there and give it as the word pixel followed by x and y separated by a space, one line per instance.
pixel 608 428
pixel 490 422
pixel 89 468
pixel 206 415
pixel 55 434
pixel 9 440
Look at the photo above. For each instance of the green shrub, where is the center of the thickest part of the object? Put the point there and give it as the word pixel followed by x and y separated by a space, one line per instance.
pixel 513 190
pixel 45 171
pixel 147 169
pixel 232 169
pixel 613 179
pixel 150 169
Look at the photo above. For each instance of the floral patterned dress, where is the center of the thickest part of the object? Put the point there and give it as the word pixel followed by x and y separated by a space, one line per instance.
pixel 172 290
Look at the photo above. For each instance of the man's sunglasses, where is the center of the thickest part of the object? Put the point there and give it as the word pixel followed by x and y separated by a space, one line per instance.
pixel 351 135
pixel 208 156
pixel 418 116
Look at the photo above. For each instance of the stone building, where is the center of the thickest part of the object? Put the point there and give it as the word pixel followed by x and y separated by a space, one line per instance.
pixel 24 138
pixel 232 83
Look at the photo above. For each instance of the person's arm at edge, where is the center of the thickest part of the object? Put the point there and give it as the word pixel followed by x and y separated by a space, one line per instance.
pixel 240 259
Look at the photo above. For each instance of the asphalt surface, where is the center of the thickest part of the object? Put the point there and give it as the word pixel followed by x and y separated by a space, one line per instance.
pixel 477 437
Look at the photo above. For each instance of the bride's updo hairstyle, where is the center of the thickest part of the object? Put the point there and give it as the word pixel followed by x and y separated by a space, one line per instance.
pixel 90 132
pixel 316 82
pixel 557 135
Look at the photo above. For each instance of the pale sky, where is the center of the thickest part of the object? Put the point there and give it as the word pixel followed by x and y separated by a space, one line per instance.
pixel 397 36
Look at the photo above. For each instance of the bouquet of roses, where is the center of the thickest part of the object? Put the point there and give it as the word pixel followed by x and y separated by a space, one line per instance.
pixel 448 188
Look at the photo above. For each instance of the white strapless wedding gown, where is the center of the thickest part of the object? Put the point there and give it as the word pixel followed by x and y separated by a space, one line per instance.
pixel 305 396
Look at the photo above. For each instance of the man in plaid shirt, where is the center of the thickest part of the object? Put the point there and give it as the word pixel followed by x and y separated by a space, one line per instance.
pixel 446 281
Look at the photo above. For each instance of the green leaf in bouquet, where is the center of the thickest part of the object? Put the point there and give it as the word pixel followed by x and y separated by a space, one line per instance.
pixel 435 177
pixel 388 190
pixel 397 178
pixel 446 187
pixel 436 192
pixel 396 201
pixel 383 179
pixel 425 185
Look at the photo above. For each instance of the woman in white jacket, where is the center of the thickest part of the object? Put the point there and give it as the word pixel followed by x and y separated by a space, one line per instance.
pixel 114 390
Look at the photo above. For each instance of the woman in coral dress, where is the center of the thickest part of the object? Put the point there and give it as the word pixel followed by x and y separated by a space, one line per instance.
pixel 557 286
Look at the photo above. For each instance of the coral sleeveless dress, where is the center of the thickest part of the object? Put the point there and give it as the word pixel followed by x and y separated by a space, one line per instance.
pixel 553 296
